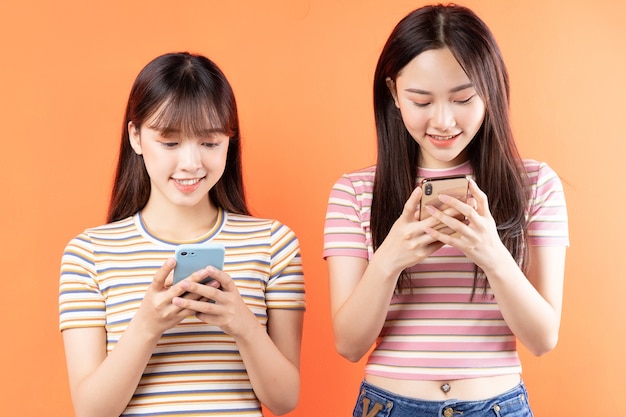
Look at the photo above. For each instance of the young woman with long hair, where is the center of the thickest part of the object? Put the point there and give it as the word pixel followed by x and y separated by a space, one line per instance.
pixel 444 299
pixel 137 344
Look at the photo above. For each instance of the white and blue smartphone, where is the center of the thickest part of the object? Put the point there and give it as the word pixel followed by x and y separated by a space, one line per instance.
pixel 194 257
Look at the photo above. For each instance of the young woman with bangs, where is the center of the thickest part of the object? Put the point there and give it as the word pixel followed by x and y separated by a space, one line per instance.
pixel 137 344
pixel 444 299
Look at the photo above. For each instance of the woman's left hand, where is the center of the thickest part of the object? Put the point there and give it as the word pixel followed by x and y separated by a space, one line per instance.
pixel 221 305
pixel 477 236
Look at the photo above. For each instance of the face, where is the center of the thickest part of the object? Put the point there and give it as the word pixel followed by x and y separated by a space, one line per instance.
pixel 182 169
pixel 439 106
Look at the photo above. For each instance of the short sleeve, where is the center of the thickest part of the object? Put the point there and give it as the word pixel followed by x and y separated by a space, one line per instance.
pixel 81 304
pixel 285 288
pixel 346 228
pixel 547 219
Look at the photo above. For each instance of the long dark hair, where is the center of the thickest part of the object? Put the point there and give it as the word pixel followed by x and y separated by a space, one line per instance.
pixel 493 155
pixel 192 95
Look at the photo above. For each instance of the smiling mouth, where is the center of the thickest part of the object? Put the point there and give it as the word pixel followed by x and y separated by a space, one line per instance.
pixel 188 181
pixel 443 138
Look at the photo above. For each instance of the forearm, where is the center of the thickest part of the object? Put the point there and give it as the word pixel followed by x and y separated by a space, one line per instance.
pixel 274 378
pixel 359 320
pixel 107 390
pixel 531 318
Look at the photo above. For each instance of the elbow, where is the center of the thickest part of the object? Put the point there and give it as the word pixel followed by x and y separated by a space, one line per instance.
pixel 287 405
pixel 349 345
pixel 351 356
pixel 85 412
pixel 546 346
pixel 85 409
pixel 348 351
pixel 281 411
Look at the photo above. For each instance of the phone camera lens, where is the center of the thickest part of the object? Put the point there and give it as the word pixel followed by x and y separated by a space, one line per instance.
pixel 183 253
pixel 428 190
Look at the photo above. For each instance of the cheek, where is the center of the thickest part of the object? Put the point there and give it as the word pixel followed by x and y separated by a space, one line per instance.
pixel 158 162
pixel 150 161
pixel 478 113
pixel 216 161
pixel 414 120
pixel 472 118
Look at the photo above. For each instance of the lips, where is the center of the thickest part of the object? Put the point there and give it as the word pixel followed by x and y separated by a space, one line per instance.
pixel 187 185
pixel 442 141
pixel 188 181
pixel 442 138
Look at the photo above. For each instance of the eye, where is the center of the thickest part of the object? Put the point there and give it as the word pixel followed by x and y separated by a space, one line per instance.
pixel 418 104
pixel 211 144
pixel 466 101
pixel 169 144
pixel 213 141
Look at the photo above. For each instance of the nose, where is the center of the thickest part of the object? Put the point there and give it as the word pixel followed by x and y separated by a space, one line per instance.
pixel 190 158
pixel 443 117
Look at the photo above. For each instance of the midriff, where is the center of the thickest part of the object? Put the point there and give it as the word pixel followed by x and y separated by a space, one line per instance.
pixel 472 389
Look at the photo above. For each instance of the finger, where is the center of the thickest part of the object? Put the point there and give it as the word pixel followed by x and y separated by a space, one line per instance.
pixel 460 206
pixel 195 291
pixel 193 305
pixel 451 217
pixel 163 272
pixel 445 235
pixel 472 203
pixel 482 204
pixel 204 276
pixel 222 279
pixel 436 218
pixel 412 205
pixel 169 280
pixel 197 276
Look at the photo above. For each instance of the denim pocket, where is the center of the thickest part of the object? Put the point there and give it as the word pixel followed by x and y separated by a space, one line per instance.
pixel 371 404
pixel 513 407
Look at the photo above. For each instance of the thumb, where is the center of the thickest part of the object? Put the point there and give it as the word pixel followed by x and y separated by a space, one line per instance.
pixel 162 273
pixel 412 205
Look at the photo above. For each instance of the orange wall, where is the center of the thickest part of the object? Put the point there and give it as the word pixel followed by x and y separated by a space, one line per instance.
pixel 302 73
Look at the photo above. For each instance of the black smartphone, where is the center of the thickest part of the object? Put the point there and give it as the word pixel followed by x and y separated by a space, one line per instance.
pixel 194 257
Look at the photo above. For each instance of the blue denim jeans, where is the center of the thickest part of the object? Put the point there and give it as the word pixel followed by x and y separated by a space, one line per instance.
pixel 376 402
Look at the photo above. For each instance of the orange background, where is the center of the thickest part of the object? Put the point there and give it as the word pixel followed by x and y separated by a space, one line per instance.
pixel 302 73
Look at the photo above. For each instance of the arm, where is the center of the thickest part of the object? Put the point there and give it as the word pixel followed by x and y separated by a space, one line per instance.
pixel 97 385
pixel 272 360
pixel 272 357
pixel 530 304
pixel 361 291
pixel 359 296
pixel 102 385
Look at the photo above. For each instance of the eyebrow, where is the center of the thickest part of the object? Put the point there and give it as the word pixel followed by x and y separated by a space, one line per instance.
pixel 452 90
pixel 170 131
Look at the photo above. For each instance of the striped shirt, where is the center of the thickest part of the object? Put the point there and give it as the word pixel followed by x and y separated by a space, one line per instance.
pixel 195 369
pixel 435 332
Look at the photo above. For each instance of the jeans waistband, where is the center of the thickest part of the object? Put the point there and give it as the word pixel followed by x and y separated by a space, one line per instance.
pixel 377 402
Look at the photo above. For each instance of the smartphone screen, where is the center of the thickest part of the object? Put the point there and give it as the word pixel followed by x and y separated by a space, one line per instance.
pixel 194 257
pixel 455 186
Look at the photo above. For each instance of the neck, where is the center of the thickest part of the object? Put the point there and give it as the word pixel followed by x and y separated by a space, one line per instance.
pixel 179 224
pixel 431 163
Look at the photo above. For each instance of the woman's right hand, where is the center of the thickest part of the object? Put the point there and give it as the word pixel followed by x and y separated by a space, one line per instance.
pixel 407 243
pixel 157 312
pixel 361 290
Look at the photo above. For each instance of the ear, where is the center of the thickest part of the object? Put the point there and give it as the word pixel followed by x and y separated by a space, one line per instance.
pixel 134 138
pixel 391 85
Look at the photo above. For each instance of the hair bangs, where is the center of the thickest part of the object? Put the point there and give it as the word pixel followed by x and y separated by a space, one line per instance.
pixel 194 116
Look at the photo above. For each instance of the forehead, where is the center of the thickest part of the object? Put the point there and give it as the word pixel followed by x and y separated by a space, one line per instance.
pixel 433 70
pixel 192 119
